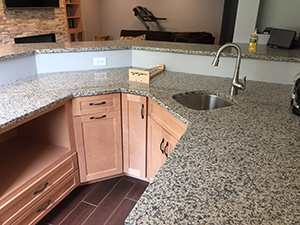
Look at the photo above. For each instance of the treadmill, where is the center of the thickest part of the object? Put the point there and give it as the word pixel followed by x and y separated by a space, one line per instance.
pixel 144 15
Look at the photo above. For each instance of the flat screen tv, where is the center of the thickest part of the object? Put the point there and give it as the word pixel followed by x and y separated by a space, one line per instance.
pixel 32 3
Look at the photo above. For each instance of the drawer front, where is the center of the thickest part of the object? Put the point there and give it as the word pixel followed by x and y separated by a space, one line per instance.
pixel 37 190
pixel 39 210
pixel 165 119
pixel 95 104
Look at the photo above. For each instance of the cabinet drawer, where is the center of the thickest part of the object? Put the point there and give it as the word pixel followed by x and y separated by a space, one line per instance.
pixel 94 104
pixel 169 122
pixel 20 203
pixel 39 210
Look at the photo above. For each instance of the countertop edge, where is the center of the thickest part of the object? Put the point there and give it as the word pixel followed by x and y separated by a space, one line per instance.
pixel 11 52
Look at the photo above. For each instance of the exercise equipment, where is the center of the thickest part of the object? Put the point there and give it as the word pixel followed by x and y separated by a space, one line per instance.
pixel 144 15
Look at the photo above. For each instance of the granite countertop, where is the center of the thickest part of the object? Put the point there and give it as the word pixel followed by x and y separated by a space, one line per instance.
pixel 263 52
pixel 234 165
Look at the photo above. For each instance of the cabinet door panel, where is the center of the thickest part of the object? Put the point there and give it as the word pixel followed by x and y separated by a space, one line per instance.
pixel 172 143
pixel 156 142
pixel 134 118
pixel 99 145
pixel 165 119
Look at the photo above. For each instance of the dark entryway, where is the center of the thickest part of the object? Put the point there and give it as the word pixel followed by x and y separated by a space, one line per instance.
pixel 228 21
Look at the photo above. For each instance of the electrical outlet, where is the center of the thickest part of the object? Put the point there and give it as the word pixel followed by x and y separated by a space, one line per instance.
pixel 99 61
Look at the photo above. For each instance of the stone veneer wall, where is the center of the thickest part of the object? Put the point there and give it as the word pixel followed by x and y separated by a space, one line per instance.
pixel 29 22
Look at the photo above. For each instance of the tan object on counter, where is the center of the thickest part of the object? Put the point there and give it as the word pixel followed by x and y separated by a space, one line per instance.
pixel 144 76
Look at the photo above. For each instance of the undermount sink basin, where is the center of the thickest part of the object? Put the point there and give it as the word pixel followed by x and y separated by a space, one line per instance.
pixel 201 101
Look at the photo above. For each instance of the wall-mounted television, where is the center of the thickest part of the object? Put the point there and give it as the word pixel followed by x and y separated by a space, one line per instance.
pixel 15 4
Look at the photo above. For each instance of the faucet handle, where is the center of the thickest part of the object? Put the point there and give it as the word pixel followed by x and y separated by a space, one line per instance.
pixel 239 84
pixel 244 83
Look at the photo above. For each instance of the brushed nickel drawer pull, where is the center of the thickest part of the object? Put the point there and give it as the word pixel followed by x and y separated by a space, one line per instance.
pixel 45 185
pixel 100 103
pixel 41 209
pixel 97 118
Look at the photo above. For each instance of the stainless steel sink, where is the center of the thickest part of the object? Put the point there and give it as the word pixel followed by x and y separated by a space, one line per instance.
pixel 201 101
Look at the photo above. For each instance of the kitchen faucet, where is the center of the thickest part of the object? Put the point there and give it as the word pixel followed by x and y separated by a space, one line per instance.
pixel 235 85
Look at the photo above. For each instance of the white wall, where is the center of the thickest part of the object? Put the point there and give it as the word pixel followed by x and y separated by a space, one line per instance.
pixel 17 68
pixel 283 14
pixel 259 70
pixel 91 19
pixel 182 15
pixel 245 20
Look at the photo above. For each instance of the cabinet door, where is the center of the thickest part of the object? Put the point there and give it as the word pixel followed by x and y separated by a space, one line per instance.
pixel 98 138
pixel 158 147
pixel 134 118
pixel 76 35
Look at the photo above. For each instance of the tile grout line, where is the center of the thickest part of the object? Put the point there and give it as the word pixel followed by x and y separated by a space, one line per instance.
pixel 120 203
pixel 114 211
pixel 78 204
pixel 101 201
pixel 131 199
pixel 88 203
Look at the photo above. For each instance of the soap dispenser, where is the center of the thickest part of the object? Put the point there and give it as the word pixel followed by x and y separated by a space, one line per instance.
pixel 253 42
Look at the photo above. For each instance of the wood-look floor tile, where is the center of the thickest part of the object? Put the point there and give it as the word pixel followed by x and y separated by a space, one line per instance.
pixel 56 215
pixel 103 188
pixel 79 215
pixel 130 179
pixel 110 203
pixel 138 190
pixel 119 216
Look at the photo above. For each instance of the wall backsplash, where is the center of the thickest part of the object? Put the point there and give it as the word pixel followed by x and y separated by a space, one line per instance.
pixel 29 22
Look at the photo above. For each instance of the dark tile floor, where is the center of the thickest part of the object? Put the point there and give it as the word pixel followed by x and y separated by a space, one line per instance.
pixel 105 202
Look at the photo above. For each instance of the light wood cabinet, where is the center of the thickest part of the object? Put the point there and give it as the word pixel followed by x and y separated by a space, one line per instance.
pixel 160 145
pixel 36 155
pixel 74 20
pixel 98 137
pixel 163 132
pixel 134 122
pixel 39 210
pixel 165 119
pixel 38 162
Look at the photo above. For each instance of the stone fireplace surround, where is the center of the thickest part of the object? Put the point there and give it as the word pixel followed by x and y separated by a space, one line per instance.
pixel 31 22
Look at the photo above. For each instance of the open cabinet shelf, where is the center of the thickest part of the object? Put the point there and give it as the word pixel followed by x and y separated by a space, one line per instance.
pixel 36 155
pixel 26 160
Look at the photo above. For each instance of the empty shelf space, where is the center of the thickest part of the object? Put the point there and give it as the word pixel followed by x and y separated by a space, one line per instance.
pixel 23 160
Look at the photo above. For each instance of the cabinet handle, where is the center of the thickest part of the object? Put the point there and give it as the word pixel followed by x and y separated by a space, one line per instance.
pixel 45 185
pixel 142 111
pixel 160 146
pixel 41 209
pixel 100 103
pixel 165 149
pixel 97 118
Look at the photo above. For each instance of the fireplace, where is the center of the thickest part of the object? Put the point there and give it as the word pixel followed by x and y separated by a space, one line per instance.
pixel 36 39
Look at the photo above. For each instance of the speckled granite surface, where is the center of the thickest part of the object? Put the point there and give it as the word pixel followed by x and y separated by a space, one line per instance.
pixel 263 52
pixel 234 165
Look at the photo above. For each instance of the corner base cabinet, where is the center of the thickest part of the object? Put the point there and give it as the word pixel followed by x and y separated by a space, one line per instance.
pixel 163 132
pixel 160 145
pixel 97 123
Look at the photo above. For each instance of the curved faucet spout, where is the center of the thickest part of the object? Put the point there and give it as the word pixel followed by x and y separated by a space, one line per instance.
pixel 235 85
